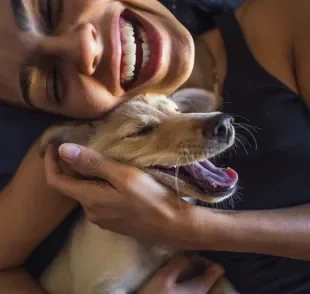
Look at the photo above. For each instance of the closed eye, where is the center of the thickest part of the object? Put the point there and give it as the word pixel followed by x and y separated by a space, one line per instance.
pixel 53 85
pixel 143 131
pixel 50 15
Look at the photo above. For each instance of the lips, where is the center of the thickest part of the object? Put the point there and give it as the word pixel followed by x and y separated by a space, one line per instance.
pixel 141 50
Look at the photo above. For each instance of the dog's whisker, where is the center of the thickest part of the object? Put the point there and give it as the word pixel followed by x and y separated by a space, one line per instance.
pixel 233 149
pixel 246 141
pixel 246 128
pixel 238 115
pixel 239 140
pixel 254 128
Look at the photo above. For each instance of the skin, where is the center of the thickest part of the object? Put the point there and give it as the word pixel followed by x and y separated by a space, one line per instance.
pixel 256 231
pixel 81 46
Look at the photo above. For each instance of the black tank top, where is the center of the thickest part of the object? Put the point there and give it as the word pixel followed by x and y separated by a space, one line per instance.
pixel 273 174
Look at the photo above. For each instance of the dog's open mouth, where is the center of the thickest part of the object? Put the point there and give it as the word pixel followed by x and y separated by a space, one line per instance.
pixel 202 180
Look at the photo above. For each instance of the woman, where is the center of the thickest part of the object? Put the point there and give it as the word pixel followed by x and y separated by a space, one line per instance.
pixel 260 51
pixel 45 42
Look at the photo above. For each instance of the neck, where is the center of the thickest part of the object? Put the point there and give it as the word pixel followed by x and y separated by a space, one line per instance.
pixel 209 56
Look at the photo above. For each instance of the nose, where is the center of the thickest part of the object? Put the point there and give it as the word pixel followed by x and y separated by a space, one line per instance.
pixel 91 48
pixel 218 126
pixel 82 46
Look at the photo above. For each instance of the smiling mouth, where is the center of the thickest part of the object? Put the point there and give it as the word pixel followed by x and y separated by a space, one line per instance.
pixel 201 180
pixel 140 51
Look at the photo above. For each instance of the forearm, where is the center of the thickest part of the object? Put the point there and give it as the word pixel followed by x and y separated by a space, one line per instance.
pixel 281 232
pixel 29 211
pixel 17 281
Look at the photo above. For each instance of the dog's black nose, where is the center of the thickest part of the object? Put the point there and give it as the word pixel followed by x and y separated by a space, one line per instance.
pixel 218 126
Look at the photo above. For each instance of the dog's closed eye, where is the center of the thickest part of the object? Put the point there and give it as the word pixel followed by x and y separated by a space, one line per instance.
pixel 143 131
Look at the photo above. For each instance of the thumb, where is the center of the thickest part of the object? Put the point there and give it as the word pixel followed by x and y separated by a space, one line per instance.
pixel 171 271
pixel 203 284
pixel 88 162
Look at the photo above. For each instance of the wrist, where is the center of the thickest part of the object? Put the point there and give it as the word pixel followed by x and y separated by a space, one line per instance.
pixel 208 229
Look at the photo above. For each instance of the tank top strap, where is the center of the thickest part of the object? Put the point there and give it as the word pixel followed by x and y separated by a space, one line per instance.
pixel 242 64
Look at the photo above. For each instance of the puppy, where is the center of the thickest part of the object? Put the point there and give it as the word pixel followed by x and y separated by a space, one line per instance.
pixel 166 138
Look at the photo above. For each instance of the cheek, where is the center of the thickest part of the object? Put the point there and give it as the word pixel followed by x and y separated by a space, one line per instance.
pixel 9 85
pixel 124 151
pixel 73 10
pixel 89 99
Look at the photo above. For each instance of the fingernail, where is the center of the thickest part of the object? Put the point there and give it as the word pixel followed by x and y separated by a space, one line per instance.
pixel 69 152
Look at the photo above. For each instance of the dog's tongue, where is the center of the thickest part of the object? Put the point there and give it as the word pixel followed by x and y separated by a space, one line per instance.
pixel 216 177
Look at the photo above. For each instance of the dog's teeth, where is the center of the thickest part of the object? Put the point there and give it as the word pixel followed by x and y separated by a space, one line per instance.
pixel 213 185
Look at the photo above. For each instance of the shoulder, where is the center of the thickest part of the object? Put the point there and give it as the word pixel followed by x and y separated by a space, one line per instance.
pixel 278 32
pixel 285 13
pixel 269 27
pixel 270 19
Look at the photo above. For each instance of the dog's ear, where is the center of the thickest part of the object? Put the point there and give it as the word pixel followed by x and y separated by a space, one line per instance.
pixel 66 133
pixel 191 100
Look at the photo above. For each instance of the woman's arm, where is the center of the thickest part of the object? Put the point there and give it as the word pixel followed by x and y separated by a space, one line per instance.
pixel 136 205
pixel 29 211
pixel 279 232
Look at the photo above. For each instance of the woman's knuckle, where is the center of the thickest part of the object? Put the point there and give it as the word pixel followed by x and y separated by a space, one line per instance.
pixel 93 162
pixel 130 180
pixel 99 187
pixel 50 182
pixel 166 286
pixel 126 183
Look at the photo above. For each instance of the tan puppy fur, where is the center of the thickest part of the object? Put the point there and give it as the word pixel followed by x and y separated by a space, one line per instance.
pixel 145 132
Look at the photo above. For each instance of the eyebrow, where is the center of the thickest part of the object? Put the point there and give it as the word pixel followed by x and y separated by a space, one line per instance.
pixel 21 15
pixel 25 74
pixel 22 21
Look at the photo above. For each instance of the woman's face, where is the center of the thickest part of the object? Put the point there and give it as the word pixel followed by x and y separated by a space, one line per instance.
pixel 82 57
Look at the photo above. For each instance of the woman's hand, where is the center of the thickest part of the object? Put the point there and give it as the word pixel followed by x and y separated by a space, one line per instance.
pixel 129 201
pixel 133 203
pixel 165 281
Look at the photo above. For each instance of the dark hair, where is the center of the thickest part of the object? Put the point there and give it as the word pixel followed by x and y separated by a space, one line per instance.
pixel 198 15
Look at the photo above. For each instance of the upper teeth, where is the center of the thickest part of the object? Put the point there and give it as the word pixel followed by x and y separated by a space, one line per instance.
pixel 130 50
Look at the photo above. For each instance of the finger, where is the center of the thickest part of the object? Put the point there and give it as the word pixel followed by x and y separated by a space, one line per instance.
pixel 204 283
pixel 84 191
pixel 124 178
pixel 91 163
pixel 171 271
pixel 50 160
